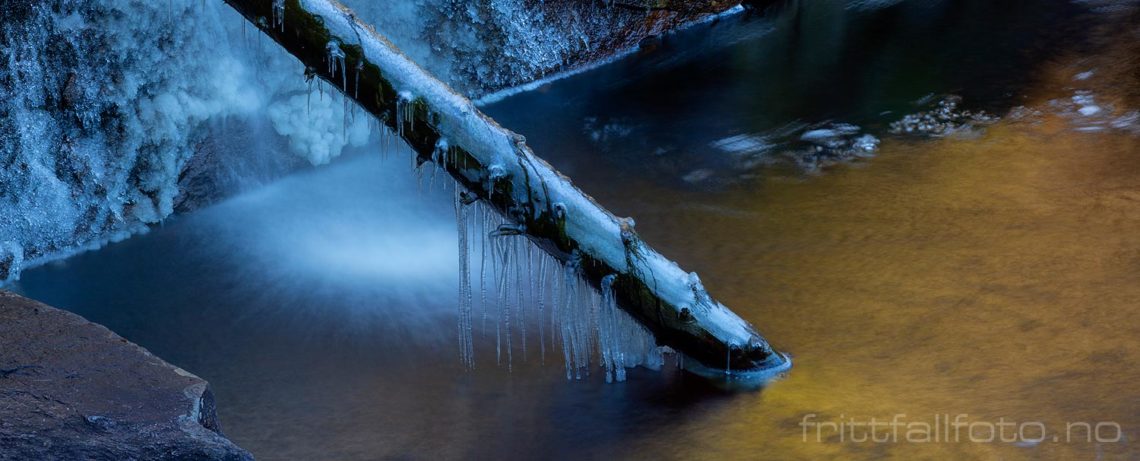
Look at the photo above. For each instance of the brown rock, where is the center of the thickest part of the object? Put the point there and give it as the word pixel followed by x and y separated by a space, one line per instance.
pixel 72 389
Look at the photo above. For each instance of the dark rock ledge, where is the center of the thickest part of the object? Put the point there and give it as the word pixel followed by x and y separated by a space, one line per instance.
pixel 73 390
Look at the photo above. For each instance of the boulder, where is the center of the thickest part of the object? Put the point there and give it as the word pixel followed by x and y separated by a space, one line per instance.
pixel 73 390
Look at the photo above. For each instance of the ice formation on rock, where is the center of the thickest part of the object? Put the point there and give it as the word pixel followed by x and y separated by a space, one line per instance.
pixel 482 47
pixel 109 108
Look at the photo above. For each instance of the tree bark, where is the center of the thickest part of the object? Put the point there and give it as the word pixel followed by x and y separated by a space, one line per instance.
pixel 494 165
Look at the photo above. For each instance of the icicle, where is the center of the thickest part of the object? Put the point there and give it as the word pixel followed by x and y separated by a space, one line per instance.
pixel 356 88
pixel 728 362
pixel 336 61
pixel 495 173
pixel 524 274
pixel 567 333
pixel 568 318
pixel 582 321
pixel 606 333
pixel 279 14
pixel 556 299
pixel 438 156
pixel 495 271
pixel 541 298
pixel 405 111
pixel 506 261
pixel 467 353
pixel 483 264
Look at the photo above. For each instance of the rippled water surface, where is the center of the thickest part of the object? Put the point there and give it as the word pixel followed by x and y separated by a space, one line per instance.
pixel 993 273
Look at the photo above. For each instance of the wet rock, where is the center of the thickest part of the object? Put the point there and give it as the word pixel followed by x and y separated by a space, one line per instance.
pixel 606 131
pixel 1086 114
pixel 865 146
pixel 808 148
pixel 831 144
pixel 945 119
pixel 743 144
pixel 71 389
pixel 698 175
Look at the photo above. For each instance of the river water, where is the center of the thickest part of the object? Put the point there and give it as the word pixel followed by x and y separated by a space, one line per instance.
pixel 988 276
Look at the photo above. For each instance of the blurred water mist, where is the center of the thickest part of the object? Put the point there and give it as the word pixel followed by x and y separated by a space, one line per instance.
pixel 356 234
pixel 353 247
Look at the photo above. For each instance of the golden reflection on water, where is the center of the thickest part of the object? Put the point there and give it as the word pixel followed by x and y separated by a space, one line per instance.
pixel 995 277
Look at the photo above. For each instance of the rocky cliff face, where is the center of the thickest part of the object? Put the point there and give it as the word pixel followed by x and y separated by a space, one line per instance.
pixel 71 389
pixel 116 113
pixel 105 105
pixel 483 47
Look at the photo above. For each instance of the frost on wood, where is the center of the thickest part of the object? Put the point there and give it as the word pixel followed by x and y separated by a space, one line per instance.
pixel 495 166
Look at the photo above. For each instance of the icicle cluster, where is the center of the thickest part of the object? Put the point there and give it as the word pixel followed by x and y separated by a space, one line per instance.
pixel 523 289
pixel 336 61
pixel 462 218
pixel 404 111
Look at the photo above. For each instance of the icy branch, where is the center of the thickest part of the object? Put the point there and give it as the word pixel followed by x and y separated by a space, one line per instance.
pixel 496 166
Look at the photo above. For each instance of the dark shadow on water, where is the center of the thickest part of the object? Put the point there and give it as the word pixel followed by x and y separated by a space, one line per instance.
pixel 660 113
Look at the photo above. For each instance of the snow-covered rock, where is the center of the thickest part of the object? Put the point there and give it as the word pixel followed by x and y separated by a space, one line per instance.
pixel 109 111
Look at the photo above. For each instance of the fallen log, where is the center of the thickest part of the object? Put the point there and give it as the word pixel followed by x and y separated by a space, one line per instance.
pixel 494 165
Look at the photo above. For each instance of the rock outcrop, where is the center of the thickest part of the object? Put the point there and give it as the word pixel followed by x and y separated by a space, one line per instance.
pixel 116 113
pixel 482 47
pixel 71 389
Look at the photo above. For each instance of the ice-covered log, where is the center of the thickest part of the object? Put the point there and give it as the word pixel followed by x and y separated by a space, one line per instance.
pixel 494 165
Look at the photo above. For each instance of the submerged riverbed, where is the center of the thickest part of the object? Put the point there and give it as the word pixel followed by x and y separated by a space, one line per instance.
pixel 993 273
